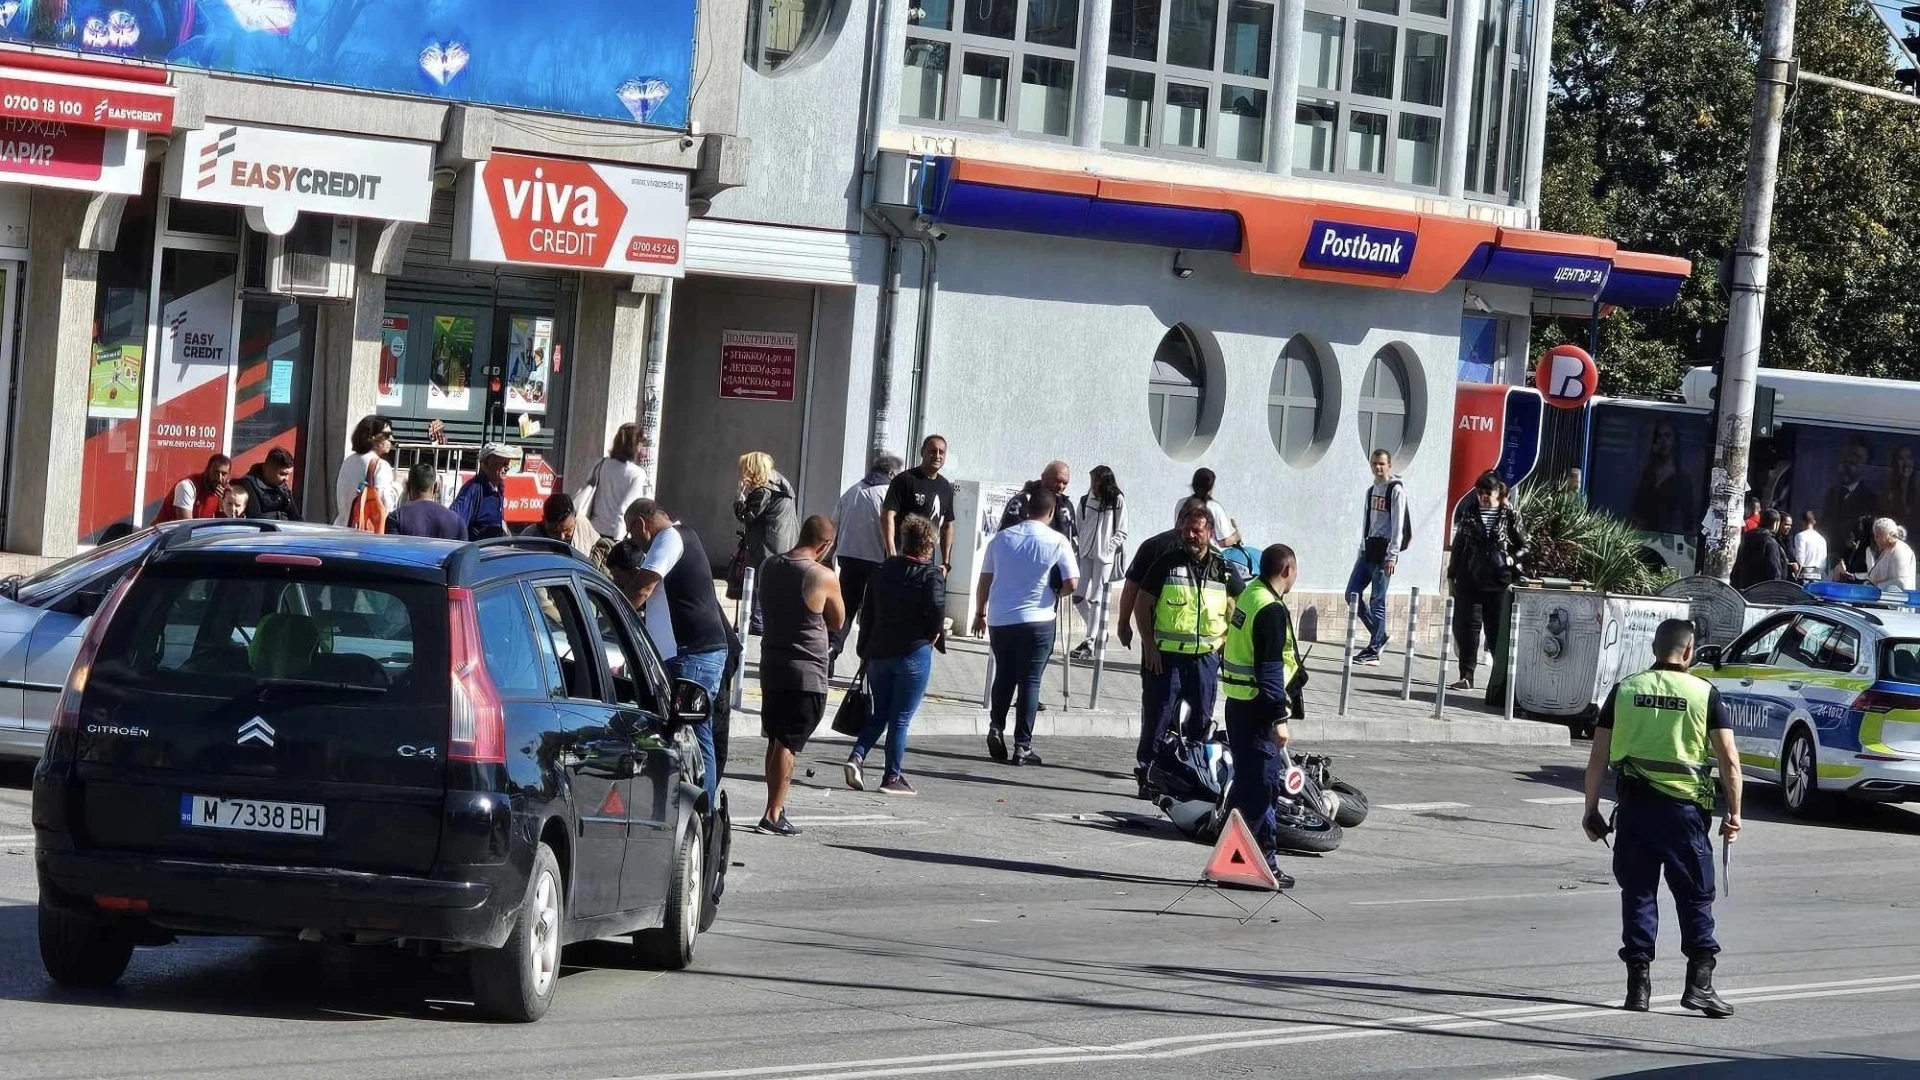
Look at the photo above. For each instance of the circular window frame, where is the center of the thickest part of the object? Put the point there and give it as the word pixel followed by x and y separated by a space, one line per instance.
pixel 1413 377
pixel 1213 390
pixel 811 49
pixel 1326 421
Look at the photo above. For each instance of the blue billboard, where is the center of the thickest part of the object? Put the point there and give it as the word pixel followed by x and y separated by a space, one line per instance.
pixel 620 59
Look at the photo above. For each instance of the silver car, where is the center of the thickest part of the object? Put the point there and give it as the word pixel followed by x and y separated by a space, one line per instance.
pixel 43 617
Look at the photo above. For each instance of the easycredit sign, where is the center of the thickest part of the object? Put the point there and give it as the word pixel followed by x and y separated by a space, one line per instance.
pixel 299 172
pixel 571 214
pixel 28 94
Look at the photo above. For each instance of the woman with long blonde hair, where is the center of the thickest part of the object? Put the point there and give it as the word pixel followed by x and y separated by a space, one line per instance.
pixel 768 507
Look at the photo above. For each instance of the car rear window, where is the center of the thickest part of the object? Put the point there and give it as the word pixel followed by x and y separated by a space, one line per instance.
pixel 1900 661
pixel 231 631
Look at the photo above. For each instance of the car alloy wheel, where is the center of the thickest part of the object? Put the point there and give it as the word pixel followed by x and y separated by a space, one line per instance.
pixel 543 944
pixel 1798 786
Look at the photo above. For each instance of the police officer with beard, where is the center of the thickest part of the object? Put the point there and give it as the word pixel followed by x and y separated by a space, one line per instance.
pixel 1662 731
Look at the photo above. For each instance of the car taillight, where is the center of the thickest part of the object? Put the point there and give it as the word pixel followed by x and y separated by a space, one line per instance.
pixel 478 728
pixel 1886 701
pixel 66 717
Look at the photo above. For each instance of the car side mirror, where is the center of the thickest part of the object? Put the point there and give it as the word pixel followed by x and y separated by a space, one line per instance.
pixel 691 702
pixel 1708 654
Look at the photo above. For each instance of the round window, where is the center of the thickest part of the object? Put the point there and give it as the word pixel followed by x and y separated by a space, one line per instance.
pixel 1297 403
pixel 782 34
pixel 1383 404
pixel 1181 403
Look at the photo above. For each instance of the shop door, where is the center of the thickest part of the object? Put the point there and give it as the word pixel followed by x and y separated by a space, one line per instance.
pixel 190 387
pixel 438 371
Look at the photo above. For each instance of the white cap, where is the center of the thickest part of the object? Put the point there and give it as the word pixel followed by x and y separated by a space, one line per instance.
pixel 500 450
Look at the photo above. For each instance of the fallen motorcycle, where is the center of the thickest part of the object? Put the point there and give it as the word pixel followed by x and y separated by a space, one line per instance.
pixel 1189 780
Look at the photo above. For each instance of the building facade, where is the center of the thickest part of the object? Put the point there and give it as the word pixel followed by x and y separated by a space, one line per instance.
pixel 1158 235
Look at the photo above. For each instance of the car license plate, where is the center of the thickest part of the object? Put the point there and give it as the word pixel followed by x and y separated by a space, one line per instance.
pixel 253 815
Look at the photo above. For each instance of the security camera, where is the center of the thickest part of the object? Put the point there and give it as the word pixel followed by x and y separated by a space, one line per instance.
pixel 925 225
pixel 1181 271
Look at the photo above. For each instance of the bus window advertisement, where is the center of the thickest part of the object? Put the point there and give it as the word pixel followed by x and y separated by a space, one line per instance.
pixel 1648 467
pixel 1845 475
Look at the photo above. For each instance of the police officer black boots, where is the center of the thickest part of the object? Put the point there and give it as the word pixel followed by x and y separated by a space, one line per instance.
pixel 1700 995
pixel 1639 986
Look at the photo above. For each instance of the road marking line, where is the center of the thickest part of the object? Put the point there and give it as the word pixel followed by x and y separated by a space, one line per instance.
pixel 1471 899
pixel 839 819
pixel 1416 807
pixel 1559 800
pixel 27 839
pixel 1212 1042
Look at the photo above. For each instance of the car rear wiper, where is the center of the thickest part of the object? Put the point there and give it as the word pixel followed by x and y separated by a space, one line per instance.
pixel 317 684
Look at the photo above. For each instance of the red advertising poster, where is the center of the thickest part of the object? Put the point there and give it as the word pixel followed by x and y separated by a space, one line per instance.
pixel 757 365
pixel 189 394
pixel 35 149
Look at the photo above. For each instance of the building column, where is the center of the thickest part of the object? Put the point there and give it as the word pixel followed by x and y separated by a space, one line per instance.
pixel 609 354
pixel 653 384
pixel 56 352
pixel 1461 77
pixel 1090 90
pixel 1286 87
pixel 1539 65
pixel 347 370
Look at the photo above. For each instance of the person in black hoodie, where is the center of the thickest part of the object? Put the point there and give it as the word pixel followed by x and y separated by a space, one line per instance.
pixel 269 488
pixel 1761 558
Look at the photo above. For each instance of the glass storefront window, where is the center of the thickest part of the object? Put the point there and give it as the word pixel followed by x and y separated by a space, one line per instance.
pixel 112 453
pixel 1046 96
pixel 274 386
pixel 1316 127
pixel 192 372
pixel 923 82
pixel 1129 107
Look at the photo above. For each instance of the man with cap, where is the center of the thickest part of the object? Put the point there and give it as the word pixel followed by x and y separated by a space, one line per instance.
pixel 1662 731
pixel 482 502
pixel 1259 666
pixel 422 514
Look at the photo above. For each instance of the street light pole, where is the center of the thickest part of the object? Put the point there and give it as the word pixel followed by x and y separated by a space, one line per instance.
pixel 1740 363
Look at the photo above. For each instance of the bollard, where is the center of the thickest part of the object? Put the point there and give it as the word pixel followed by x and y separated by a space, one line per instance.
pixel 1100 643
pixel 986 692
pixel 1440 681
pixel 742 613
pixel 1346 662
pixel 1508 610
pixel 1413 629
pixel 1063 619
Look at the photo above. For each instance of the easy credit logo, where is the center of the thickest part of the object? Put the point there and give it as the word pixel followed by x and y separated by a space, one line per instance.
pixel 554 211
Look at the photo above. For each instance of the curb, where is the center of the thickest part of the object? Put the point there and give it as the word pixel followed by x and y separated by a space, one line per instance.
pixel 937 718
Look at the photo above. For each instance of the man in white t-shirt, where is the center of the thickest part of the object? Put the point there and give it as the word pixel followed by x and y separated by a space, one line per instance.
pixel 1025 571
pixel 1808 549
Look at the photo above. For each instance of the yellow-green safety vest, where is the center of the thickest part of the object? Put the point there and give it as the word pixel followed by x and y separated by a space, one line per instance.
pixel 1237 661
pixel 1190 618
pixel 1660 734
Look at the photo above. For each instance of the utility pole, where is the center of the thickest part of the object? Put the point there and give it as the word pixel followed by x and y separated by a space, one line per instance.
pixel 1740 363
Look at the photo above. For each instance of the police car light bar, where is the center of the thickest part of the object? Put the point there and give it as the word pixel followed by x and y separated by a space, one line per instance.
pixel 1848 592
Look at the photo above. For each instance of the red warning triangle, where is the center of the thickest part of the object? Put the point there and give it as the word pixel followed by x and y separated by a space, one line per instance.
pixel 1236 858
pixel 613 805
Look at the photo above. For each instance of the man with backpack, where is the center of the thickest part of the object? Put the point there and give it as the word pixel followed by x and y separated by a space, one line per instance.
pixel 1386 529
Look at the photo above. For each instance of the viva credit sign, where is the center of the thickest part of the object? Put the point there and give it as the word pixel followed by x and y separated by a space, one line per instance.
pixel 577 215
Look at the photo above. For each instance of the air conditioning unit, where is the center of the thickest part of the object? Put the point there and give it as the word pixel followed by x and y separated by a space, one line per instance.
pixel 314 260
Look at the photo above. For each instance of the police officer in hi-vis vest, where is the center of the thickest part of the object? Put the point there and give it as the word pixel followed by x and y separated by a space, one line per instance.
pixel 1181 610
pixel 1257 672
pixel 1661 731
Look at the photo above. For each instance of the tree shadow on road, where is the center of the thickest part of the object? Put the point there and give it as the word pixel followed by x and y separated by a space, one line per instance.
pixel 1850 1067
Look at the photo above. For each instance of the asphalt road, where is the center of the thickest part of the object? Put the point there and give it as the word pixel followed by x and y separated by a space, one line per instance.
pixel 1007 923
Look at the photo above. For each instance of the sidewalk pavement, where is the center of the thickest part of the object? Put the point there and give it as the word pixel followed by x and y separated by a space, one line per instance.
pixel 1375 711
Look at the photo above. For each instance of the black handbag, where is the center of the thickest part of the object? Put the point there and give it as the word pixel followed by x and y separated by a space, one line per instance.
pixel 737 570
pixel 856 708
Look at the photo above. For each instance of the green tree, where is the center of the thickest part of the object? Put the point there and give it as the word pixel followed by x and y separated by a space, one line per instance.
pixel 1647 127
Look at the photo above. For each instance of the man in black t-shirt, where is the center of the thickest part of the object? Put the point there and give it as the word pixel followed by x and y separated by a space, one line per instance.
pixel 921 491
pixel 1055 478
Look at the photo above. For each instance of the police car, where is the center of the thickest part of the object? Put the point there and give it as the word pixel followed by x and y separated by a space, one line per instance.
pixel 1825 697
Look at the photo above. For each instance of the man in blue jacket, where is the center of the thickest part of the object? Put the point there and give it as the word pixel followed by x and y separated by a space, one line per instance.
pixel 482 502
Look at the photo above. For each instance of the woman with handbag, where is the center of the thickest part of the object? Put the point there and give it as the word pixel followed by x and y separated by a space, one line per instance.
pixel 900 627
pixel 367 488
pixel 613 485
pixel 1488 546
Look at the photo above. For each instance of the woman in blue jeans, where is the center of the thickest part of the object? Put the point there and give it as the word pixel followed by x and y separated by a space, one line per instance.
pixel 900 623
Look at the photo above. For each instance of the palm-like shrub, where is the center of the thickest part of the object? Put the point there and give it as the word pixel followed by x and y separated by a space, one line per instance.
pixel 1570 539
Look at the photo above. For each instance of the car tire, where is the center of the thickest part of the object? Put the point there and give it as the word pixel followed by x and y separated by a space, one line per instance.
pixel 81 951
pixel 671 944
pixel 1800 776
pixel 516 982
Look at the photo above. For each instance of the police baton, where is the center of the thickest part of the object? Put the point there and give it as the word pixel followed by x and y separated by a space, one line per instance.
pixel 1726 872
